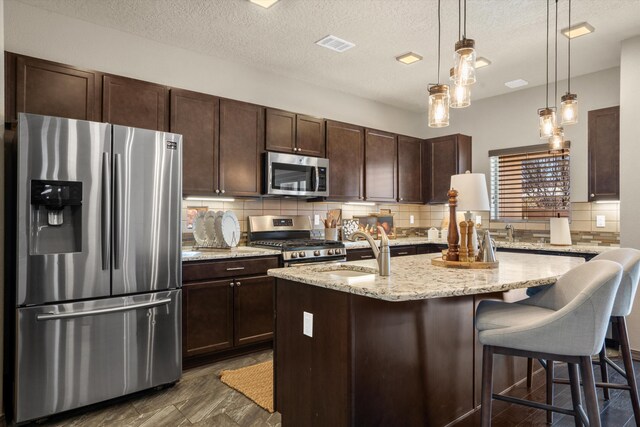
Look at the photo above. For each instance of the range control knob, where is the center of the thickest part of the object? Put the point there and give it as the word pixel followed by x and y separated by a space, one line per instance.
pixel 294 255
pixel 301 254
pixel 338 251
pixel 316 253
pixel 330 252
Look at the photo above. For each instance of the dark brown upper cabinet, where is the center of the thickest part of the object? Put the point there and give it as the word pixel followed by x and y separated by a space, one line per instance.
pixel 604 154
pixel 48 88
pixel 136 103
pixel 409 169
pixel 380 166
pixel 345 150
pixel 241 146
pixel 445 156
pixel 196 117
pixel 294 133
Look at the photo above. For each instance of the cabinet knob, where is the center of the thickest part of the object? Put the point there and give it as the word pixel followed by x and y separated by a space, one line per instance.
pixel 401 199
pixel 238 283
pixel 593 195
pixel 217 191
pixel 222 191
pixel 231 284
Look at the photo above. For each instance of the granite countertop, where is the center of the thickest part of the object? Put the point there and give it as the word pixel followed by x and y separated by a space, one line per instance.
pixel 415 278
pixel 191 254
pixel 507 245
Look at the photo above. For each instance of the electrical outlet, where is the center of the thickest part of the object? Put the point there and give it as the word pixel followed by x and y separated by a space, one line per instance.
pixel 478 220
pixel 600 222
pixel 307 324
pixel 411 219
pixel 316 220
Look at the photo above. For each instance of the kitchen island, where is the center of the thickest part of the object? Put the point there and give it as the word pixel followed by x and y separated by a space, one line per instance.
pixel 398 350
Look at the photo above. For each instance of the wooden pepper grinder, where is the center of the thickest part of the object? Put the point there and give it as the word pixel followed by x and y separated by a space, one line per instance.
pixel 464 250
pixel 452 239
pixel 471 252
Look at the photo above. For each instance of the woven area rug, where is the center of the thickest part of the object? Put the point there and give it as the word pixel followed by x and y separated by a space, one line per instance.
pixel 255 382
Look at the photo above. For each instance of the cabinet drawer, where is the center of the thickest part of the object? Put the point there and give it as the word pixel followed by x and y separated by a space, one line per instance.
pixel 359 254
pixel 192 272
pixel 403 250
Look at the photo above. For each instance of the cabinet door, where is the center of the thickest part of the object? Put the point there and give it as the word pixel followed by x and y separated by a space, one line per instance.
pixel 135 103
pixel 51 89
pixel 281 131
pixel 447 155
pixel 241 145
pixel 380 166
pixel 345 150
pixel 310 136
pixel 195 116
pixel 604 154
pixel 409 170
pixel 207 317
pixel 253 305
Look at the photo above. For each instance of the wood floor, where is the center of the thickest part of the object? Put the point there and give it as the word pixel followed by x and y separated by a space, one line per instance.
pixel 200 399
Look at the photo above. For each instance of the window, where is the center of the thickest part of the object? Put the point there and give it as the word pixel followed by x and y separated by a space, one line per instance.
pixel 529 183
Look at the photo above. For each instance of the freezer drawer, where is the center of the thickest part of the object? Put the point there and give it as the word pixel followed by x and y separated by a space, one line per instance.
pixel 71 355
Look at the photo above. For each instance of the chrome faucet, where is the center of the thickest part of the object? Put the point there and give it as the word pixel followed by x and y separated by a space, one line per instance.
pixel 383 255
pixel 509 228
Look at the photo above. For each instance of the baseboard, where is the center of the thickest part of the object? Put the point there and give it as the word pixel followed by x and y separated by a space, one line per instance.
pixel 635 355
pixel 195 361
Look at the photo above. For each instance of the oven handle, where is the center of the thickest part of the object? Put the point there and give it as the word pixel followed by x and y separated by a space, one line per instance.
pixel 304 264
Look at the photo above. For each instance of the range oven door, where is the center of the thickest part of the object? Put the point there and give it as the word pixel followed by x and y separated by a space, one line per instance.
pixel 75 354
pixel 291 175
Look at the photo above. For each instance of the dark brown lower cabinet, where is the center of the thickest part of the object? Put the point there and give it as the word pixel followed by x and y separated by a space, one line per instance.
pixel 207 317
pixel 222 317
pixel 253 310
pixel 371 362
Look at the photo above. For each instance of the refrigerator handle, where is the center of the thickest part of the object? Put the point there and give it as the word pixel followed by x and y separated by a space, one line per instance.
pixel 73 314
pixel 104 214
pixel 117 193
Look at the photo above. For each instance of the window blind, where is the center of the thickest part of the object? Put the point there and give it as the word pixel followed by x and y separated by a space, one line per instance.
pixel 530 184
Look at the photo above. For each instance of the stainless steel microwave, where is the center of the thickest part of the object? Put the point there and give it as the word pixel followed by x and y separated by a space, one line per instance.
pixel 292 175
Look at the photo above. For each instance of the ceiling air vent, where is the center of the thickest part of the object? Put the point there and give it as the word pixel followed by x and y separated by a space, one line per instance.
pixel 335 43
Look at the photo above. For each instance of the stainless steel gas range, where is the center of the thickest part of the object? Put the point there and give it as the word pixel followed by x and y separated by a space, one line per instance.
pixel 292 235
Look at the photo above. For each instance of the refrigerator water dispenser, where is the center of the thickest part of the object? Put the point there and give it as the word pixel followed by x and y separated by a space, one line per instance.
pixel 56 217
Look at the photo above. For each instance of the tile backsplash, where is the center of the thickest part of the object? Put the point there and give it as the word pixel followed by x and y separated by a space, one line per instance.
pixel 583 217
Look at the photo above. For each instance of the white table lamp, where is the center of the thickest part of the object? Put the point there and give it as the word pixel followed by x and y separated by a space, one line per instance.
pixel 472 192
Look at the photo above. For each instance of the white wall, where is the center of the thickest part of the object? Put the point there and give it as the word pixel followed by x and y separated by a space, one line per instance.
pixel 35 32
pixel 511 120
pixel 629 156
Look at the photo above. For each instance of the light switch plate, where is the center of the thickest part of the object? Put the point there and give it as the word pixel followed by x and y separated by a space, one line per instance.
pixel 316 220
pixel 411 219
pixel 307 324
pixel 600 222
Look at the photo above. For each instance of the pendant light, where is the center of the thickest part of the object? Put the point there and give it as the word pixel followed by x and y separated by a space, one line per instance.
pixel 556 142
pixel 438 95
pixel 569 104
pixel 464 57
pixel 460 95
pixel 547 116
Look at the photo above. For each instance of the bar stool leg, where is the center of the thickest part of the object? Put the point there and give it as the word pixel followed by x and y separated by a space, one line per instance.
pixel 603 371
pixel 529 372
pixel 487 385
pixel 549 372
pixel 628 367
pixel 574 381
pixel 589 385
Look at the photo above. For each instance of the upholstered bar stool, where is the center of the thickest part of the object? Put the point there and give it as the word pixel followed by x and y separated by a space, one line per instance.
pixel 567 323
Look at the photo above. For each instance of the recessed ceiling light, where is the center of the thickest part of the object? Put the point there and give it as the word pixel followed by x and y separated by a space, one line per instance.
pixel 516 83
pixel 409 58
pixel 264 3
pixel 578 30
pixel 482 62
pixel 335 43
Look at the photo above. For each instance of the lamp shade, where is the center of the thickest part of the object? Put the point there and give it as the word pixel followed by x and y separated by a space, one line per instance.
pixel 472 191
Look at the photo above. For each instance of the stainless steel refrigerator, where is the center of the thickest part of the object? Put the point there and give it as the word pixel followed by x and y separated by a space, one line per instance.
pixel 98 299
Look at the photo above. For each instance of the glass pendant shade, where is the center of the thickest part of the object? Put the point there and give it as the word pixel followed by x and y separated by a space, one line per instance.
pixel 556 142
pixel 547 122
pixel 569 109
pixel 464 63
pixel 460 95
pixel 438 106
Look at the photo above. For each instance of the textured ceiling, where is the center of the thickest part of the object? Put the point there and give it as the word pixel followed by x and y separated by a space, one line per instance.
pixel 511 33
